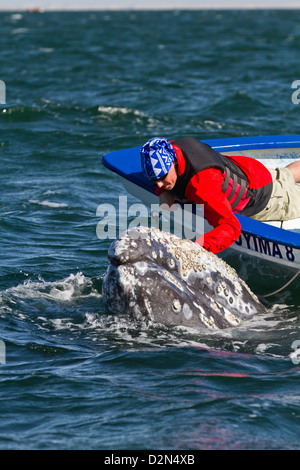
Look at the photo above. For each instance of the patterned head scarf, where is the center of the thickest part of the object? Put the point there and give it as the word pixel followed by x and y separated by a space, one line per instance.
pixel 157 157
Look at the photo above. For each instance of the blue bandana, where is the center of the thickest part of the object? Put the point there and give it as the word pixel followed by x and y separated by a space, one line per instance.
pixel 157 157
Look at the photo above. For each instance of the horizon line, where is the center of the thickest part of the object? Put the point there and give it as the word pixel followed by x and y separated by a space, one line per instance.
pixel 137 7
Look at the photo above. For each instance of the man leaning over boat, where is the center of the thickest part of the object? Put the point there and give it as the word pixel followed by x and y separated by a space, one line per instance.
pixel 186 169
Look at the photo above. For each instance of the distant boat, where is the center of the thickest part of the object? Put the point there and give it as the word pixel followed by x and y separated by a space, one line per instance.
pixel 36 10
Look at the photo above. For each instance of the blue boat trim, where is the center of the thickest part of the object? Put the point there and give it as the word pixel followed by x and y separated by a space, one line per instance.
pixel 248 143
pixel 126 163
pixel 269 232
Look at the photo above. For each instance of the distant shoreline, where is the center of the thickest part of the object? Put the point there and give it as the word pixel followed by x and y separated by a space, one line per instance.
pixel 159 7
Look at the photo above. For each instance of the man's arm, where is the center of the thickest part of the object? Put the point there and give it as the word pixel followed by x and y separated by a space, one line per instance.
pixel 206 188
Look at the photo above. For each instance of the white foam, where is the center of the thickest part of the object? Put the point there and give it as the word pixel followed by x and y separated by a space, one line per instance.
pixel 69 288
pixel 114 110
pixel 20 31
pixel 16 16
pixel 48 203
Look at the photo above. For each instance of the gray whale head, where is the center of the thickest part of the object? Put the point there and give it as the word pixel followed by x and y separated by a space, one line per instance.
pixel 174 281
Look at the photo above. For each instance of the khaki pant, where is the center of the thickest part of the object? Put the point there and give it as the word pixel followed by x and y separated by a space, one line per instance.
pixel 284 203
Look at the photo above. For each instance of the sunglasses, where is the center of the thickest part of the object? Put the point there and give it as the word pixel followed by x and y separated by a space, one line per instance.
pixel 162 178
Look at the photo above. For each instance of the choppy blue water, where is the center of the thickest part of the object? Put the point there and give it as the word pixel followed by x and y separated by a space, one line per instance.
pixel 79 85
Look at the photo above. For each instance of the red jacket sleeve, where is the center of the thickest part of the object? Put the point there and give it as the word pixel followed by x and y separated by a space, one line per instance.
pixel 158 191
pixel 206 188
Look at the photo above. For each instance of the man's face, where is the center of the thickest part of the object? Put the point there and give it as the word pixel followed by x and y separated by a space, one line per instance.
pixel 168 181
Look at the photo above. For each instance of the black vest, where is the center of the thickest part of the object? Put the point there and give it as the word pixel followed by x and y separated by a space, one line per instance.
pixel 200 156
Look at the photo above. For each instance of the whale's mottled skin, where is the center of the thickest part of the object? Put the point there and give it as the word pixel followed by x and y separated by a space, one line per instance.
pixel 175 282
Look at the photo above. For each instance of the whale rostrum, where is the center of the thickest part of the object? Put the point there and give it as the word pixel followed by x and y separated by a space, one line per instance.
pixel 174 281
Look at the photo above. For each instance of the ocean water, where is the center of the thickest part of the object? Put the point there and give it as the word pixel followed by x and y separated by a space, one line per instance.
pixel 78 85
